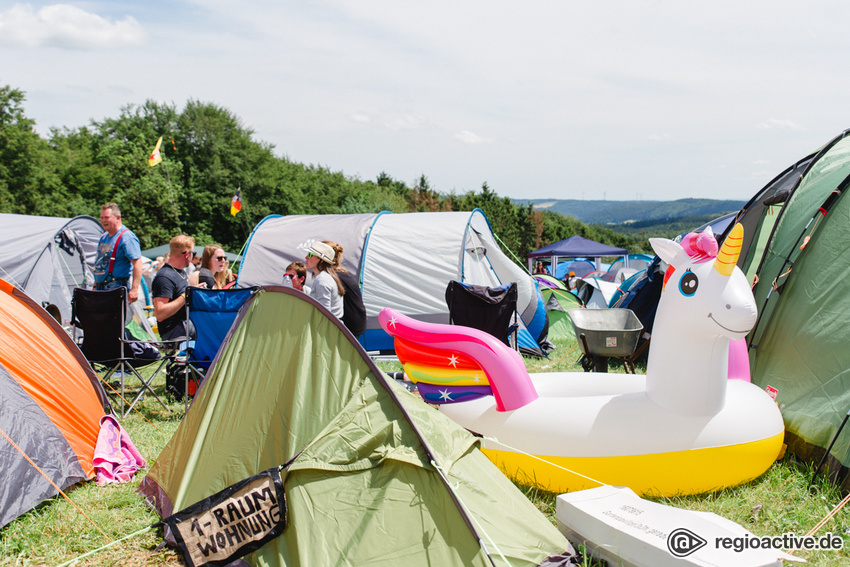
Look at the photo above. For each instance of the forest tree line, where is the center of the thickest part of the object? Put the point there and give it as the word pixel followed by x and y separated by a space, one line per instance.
pixel 209 156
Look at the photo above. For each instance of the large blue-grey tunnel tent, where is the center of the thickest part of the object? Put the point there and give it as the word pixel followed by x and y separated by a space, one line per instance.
pixel 404 261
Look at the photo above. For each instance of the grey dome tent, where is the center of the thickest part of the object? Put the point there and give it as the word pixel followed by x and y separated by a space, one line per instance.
pixel 404 261
pixel 49 256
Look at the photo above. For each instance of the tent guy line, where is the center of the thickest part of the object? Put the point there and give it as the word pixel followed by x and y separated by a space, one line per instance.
pixel 53 484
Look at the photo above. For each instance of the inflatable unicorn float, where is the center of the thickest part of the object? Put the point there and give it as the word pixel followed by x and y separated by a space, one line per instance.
pixel 683 428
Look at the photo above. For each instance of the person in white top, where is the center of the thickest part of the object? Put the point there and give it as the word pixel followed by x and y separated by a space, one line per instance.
pixel 326 287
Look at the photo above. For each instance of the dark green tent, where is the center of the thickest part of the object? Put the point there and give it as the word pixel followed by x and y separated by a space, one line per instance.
pixel 378 476
pixel 796 231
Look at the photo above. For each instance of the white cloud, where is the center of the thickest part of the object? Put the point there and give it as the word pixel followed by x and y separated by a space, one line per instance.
pixel 405 122
pixel 660 137
pixel 63 25
pixel 361 117
pixel 777 124
pixel 468 137
pixel 572 98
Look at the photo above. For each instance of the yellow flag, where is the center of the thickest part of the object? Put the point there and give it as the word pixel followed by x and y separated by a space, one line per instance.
pixel 155 157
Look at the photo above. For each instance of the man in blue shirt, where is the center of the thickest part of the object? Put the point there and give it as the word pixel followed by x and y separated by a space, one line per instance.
pixel 119 255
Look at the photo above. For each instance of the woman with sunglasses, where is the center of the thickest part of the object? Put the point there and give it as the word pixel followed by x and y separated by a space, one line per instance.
pixel 213 272
pixel 326 287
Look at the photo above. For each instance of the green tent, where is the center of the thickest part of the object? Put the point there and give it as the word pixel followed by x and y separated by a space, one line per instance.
pixel 377 476
pixel 558 300
pixel 796 231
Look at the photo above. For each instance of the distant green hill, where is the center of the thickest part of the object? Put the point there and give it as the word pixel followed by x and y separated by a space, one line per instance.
pixel 619 212
pixel 660 228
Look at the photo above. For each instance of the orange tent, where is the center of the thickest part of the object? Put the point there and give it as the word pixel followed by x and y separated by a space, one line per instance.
pixel 51 403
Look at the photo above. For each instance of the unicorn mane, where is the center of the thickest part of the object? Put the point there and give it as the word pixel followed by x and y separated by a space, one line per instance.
pixel 701 246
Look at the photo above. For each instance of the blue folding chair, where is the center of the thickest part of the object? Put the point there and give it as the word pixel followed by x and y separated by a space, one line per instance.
pixel 212 311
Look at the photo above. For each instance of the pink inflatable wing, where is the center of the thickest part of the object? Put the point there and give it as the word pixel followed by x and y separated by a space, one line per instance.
pixel 116 459
pixel 504 367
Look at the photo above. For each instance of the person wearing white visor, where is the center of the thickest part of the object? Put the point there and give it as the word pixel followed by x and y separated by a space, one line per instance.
pixel 326 287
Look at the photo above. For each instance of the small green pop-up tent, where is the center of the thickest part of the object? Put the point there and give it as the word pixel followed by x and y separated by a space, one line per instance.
pixel 377 477
pixel 558 301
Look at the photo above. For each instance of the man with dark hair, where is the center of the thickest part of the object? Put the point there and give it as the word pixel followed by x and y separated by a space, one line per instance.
pixel 168 291
pixel 119 255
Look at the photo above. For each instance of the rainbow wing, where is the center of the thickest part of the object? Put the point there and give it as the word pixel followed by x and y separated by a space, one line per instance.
pixel 455 363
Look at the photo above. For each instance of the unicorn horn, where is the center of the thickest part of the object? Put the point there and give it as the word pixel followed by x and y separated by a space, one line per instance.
pixel 729 252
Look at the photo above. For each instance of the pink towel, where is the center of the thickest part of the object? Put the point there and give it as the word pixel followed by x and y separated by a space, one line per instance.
pixel 116 459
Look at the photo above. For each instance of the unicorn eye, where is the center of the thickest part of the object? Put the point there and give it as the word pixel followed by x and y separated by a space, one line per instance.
pixel 688 284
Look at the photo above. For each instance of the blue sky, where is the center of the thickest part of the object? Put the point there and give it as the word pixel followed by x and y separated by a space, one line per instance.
pixel 652 100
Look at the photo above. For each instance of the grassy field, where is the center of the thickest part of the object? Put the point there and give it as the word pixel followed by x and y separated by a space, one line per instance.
pixel 55 532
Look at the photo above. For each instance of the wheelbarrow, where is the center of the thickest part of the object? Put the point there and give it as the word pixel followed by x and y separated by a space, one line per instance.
pixel 604 334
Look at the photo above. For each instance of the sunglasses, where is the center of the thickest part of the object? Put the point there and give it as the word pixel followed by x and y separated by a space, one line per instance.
pixel 292 276
pixel 221 257
pixel 311 255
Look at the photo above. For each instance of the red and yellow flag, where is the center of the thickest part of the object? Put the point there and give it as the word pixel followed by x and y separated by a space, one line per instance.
pixel 236 203
pixel 155 156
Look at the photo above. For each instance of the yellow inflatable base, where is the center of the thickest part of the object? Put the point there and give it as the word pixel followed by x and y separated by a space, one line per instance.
pixel 695 471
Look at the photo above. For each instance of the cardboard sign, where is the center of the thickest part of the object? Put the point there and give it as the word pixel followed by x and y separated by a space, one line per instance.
pixel 231 523
pixel 616 525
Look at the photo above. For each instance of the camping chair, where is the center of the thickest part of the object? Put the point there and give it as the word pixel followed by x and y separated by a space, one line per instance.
pixel 100 315
pixel 489 309
pixel 212 312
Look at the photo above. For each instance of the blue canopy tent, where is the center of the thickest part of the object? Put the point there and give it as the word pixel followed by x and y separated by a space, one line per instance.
pixel 576 247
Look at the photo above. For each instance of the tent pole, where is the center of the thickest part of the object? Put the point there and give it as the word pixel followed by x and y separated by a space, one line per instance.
pixel 822 210
pixel 828 449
